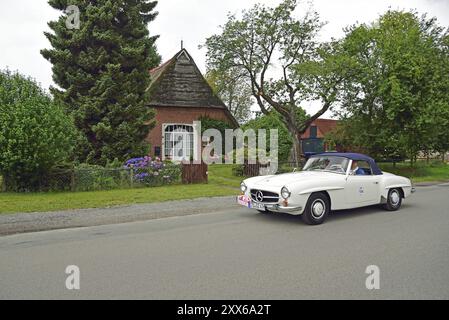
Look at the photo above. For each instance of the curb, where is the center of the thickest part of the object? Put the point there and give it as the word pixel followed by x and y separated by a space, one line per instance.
pixel 431 184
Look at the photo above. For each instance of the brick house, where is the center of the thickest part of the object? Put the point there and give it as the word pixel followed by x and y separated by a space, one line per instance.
pixel 181 95
pixel 313 139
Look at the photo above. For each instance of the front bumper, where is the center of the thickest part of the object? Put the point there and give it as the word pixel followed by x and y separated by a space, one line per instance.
pixel 282 209
pixel 278 208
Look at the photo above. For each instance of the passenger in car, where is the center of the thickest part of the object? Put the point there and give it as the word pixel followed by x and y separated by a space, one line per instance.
pixel 356 171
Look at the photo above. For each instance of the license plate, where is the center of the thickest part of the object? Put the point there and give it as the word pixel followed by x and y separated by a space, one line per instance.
pixel 257 206
pixel 244 201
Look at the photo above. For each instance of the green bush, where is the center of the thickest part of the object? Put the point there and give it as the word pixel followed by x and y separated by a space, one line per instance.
pixel 59 178
pixel 35 133
pixel 271 122
pixel 95 178
pixel 238 170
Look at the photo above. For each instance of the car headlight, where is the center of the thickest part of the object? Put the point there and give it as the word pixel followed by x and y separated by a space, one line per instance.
pixel 285 193
pixel 243 187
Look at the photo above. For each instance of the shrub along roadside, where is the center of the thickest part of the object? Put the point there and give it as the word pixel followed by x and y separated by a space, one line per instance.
pixel 35 133
pixel 136 173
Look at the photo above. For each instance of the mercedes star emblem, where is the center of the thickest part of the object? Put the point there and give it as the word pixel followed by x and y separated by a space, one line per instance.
pixel 259 196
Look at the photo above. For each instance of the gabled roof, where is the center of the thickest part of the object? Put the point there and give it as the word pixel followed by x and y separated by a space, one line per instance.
pixel 179 83
pixel 324 126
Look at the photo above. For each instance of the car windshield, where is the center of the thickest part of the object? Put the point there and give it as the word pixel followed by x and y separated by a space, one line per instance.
pixel 327 164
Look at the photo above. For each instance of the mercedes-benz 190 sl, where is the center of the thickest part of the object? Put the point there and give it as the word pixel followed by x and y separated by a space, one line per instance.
pixel 328 182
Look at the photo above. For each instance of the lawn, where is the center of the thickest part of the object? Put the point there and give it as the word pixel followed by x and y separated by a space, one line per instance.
pixel 421 172
pixel 221 183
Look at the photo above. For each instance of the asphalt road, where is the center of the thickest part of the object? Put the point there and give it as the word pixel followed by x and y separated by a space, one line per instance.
pixel 239 254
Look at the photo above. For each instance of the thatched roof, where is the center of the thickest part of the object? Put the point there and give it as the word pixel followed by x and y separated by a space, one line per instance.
pixel 179 83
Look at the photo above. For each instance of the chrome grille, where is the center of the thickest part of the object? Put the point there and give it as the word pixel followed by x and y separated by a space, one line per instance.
pixel 267 197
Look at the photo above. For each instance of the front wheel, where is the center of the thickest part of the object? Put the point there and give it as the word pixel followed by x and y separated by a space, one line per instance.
pixel 317 209
pixel 394 201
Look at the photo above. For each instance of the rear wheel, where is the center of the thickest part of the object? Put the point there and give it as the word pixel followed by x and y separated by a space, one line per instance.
pixel 317 209
pixel 394 201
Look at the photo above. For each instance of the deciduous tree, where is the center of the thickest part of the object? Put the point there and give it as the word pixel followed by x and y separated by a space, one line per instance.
pixel 233 90
pixel 35 132
pixel 281 60
pixel 395 98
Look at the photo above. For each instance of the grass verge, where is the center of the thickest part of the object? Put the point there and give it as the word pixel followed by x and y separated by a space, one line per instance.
pixel 221 183
pixel 43 202
pixel 421 172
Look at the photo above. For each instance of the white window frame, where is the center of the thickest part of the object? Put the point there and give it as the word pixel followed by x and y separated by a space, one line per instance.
pixel 194 137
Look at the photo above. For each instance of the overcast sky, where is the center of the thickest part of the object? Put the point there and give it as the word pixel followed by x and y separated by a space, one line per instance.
pixel 22 23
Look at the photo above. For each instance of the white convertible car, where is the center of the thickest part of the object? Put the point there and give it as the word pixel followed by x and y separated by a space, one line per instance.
pixel 329 181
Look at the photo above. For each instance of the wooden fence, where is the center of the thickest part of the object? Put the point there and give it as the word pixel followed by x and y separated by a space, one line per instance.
pixel 252 170
pixel 194 173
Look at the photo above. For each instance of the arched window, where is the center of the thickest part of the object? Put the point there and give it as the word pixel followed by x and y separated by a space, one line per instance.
pixel 179 142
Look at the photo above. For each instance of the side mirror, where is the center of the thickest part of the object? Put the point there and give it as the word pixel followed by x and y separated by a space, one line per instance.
pixel 295 169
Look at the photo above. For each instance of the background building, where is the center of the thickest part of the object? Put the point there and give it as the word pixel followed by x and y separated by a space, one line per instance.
pixel 313 140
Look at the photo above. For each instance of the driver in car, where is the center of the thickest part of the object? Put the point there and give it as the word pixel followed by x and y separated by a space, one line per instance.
pixel 356 171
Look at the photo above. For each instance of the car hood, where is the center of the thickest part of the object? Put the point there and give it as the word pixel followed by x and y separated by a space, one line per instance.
pixel 282 180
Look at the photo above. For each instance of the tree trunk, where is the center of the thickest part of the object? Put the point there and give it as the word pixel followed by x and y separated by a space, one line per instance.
pixel 4 187
pixel 297 149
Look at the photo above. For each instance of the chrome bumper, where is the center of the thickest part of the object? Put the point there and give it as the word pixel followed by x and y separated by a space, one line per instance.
pixel 273 207
pixel 281 209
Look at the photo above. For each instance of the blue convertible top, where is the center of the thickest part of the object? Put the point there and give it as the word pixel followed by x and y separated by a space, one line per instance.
pixel 355 157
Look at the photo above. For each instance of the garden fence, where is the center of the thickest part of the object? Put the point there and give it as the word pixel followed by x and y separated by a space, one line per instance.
pixel 194 173
pixel 97 179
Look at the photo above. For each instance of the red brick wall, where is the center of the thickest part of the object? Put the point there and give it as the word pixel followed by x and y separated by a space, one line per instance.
pixel 324 127
pixel 175 115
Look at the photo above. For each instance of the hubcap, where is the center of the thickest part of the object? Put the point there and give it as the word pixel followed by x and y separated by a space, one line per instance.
pixel 318 209
pixel 395 198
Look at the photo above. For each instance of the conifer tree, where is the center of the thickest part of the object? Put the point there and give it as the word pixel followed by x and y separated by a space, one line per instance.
pixel 101 67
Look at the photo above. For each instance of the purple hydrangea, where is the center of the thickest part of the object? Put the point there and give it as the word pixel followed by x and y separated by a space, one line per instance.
pixel 145 167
